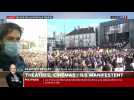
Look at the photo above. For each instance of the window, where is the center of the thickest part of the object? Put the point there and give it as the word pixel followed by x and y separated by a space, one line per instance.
pixel 86 36
pixel 89 37
pixel 82 36
pixel 76 37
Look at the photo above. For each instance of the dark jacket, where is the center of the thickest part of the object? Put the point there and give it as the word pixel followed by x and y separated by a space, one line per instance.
pixel 6 61
pixel 12 83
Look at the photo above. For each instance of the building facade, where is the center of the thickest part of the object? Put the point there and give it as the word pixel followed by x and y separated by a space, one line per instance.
pixel 51 44
pixel 42 43
pixel 81 38
pixel 116 31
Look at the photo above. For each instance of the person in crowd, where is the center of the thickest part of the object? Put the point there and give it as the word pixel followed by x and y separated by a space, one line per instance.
pixel 119 60
pixel 132 66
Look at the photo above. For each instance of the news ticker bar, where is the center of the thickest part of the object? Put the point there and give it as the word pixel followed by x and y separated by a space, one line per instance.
pixel 29 17
pixel 67 69
pixel 79 82
pixel 78 79
pixel 51 17
pixel 76 74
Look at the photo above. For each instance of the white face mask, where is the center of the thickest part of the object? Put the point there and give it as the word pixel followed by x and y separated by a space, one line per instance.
pixel 12 49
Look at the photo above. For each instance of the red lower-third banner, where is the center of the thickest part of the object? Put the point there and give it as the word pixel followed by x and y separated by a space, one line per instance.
pixel 78 82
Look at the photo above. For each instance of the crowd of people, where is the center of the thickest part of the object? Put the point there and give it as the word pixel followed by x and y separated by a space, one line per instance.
pixel 120 44
pixel 94 59
pixel 35 59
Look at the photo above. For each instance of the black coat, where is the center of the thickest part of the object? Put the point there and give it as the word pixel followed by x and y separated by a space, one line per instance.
pixel 13 83
pixel 6 61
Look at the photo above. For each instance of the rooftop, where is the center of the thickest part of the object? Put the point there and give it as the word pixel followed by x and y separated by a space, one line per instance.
pixel 82 31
